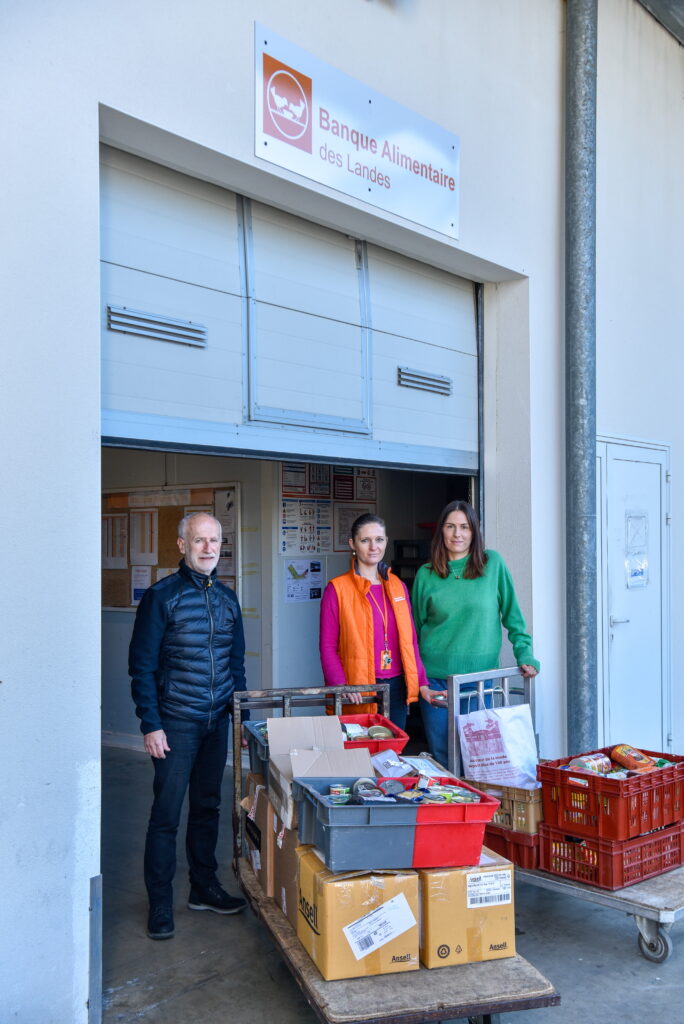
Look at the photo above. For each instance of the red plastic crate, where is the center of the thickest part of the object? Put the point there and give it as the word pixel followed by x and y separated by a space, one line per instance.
pixel 610 865
pixel 586 804
pixel 398 741
pixel 519 847
pixel 450 835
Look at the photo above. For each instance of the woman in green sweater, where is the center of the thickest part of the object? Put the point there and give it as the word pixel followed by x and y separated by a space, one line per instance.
pixel 460 600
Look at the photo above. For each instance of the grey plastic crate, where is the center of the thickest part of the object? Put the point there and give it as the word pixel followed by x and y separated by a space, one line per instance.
pixel 258 750
pixel 354 837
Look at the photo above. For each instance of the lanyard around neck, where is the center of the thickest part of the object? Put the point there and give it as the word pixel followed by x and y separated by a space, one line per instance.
pixel 383 610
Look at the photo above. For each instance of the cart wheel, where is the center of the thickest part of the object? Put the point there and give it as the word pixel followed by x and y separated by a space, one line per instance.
pixel 658 950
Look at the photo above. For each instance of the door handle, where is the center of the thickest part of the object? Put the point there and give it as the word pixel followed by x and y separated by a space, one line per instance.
pixel 615 622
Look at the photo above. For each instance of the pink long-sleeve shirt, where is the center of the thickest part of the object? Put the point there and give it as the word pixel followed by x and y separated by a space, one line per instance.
pixel 333 671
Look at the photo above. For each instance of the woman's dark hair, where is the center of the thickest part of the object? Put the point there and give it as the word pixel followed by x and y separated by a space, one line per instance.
pixel 366 520
pixel 439 556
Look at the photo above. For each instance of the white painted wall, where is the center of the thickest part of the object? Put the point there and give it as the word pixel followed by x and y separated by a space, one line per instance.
pixel 172 82
pixel 640 314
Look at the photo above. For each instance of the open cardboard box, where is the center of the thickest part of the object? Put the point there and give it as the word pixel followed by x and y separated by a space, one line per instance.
pixel 308 746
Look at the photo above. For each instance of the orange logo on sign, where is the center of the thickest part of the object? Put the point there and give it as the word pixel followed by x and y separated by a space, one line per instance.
pixel 287 104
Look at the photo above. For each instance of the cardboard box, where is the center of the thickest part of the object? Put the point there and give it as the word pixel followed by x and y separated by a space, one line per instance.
pixel 286 849
pixel 467 914
pixel 258 828
pixel 358 924
pixel 308 746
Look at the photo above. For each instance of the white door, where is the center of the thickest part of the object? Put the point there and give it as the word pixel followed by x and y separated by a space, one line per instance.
pixel 634 691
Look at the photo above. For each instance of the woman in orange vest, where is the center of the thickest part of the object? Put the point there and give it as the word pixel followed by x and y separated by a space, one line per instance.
pixel 367 634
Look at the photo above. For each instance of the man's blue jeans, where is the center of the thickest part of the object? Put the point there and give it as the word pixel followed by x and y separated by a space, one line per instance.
pixel 195 763
pixel 436 722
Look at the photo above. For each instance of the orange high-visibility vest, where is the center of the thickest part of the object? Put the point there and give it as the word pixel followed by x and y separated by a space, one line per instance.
pixel 356 647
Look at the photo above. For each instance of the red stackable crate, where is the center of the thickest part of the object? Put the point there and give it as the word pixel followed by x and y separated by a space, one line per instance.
pixel 592 805
pixel 397 743
pixel 610 865
pixel 450 835
pixel 519 847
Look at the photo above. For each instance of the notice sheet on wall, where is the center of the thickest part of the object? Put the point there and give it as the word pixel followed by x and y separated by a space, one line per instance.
pixel 141 578
pixel 303 580
pixel 305 526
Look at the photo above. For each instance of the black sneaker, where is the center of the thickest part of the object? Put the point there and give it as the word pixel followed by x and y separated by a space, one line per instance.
pixel 160 922
pixel 213 897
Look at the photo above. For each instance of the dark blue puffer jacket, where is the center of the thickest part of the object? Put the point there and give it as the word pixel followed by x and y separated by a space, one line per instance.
pixel 187 653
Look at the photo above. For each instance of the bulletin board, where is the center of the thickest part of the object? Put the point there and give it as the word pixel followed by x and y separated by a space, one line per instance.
pixel 140 531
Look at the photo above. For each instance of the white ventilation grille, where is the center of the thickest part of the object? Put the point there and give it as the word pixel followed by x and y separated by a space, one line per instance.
pixel 152 325
pixel 408 378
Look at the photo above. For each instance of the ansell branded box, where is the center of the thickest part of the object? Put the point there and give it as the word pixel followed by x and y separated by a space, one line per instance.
pixel 467 914
pixel 358 924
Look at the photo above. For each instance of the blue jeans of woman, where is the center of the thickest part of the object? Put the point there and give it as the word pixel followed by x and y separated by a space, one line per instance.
pixel 436 722
pixel 397 696
pixel 195 763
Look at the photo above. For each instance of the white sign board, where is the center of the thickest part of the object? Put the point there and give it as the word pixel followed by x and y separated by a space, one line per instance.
pixel 318 122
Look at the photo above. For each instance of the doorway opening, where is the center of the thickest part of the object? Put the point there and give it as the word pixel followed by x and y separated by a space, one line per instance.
pixel 276 501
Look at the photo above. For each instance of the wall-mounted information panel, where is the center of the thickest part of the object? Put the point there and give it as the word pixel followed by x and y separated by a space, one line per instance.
pixel 140 537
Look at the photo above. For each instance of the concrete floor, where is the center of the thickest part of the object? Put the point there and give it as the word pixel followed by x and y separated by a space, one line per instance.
pixel 226 969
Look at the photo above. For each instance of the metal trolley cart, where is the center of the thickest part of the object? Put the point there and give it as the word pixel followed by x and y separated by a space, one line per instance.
pixel 655 904
pixel 477 992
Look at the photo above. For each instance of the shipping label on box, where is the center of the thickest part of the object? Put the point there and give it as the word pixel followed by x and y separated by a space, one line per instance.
pixel 358 924
pixel 467 914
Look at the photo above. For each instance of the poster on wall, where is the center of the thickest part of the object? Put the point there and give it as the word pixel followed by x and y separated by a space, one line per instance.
pixel 141 578
pixel 343 517
pixel 343 483
pixel 293 478
pixel 303 580
pixel 318 480
pixel 225 510
pixel 305 526
pixel 365 484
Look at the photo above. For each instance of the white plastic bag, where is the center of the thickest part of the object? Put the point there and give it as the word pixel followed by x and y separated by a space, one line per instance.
pixel 498 745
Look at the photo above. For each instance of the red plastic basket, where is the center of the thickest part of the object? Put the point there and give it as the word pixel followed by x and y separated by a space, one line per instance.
pixel 592 805
pixel 610 865
pixel 450 835
pixel 519 847
pixel 398 741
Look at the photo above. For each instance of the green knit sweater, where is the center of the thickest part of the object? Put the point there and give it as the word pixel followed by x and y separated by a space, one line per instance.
pixel 458 621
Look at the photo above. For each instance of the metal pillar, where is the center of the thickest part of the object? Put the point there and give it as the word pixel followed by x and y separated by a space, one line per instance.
pixel 580 373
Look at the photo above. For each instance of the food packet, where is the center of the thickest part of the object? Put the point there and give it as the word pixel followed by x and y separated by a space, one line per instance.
pixel 630 757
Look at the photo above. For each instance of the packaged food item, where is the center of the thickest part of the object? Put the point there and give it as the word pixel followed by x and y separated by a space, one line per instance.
pixel 339 794
pixel 363 785
pixel 599 764
pixel 391 787
pixel 632 758
pixel 354 731
pixel 380 732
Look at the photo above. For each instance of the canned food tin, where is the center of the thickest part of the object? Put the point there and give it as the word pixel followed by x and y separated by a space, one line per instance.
pixel 338 789
pixel 363 784
pixel 380 732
